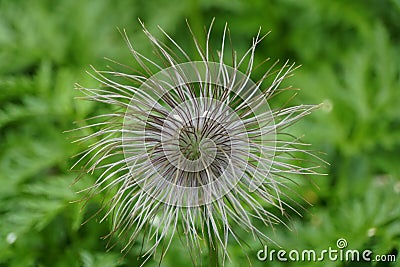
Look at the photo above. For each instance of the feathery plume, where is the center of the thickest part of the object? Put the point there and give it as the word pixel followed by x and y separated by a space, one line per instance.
pixel 194 150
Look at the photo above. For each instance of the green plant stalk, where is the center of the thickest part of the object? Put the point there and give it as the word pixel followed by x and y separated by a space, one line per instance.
pixel 212 248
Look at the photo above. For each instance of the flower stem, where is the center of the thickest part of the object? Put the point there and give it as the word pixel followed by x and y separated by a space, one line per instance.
pixel 212 248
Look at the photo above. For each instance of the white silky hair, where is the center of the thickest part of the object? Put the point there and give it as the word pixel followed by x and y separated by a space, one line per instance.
pixel 152 204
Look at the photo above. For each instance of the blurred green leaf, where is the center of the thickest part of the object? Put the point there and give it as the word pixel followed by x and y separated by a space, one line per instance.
pixel 350 52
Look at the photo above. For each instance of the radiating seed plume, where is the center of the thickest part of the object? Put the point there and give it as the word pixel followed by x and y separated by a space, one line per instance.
pixel 194 150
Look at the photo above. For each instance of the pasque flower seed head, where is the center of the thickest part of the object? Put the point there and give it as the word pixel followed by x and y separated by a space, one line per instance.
pixel 195 149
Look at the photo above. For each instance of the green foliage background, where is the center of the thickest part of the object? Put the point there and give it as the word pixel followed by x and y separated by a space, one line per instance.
pixel 350 52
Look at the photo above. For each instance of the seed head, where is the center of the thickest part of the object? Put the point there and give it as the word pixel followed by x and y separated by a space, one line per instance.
pixel 193 149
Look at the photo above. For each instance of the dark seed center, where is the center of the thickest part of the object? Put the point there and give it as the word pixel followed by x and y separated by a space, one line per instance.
pixel 189 142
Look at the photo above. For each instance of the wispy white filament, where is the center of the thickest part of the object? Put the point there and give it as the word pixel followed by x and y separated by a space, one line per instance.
pixel 195 149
